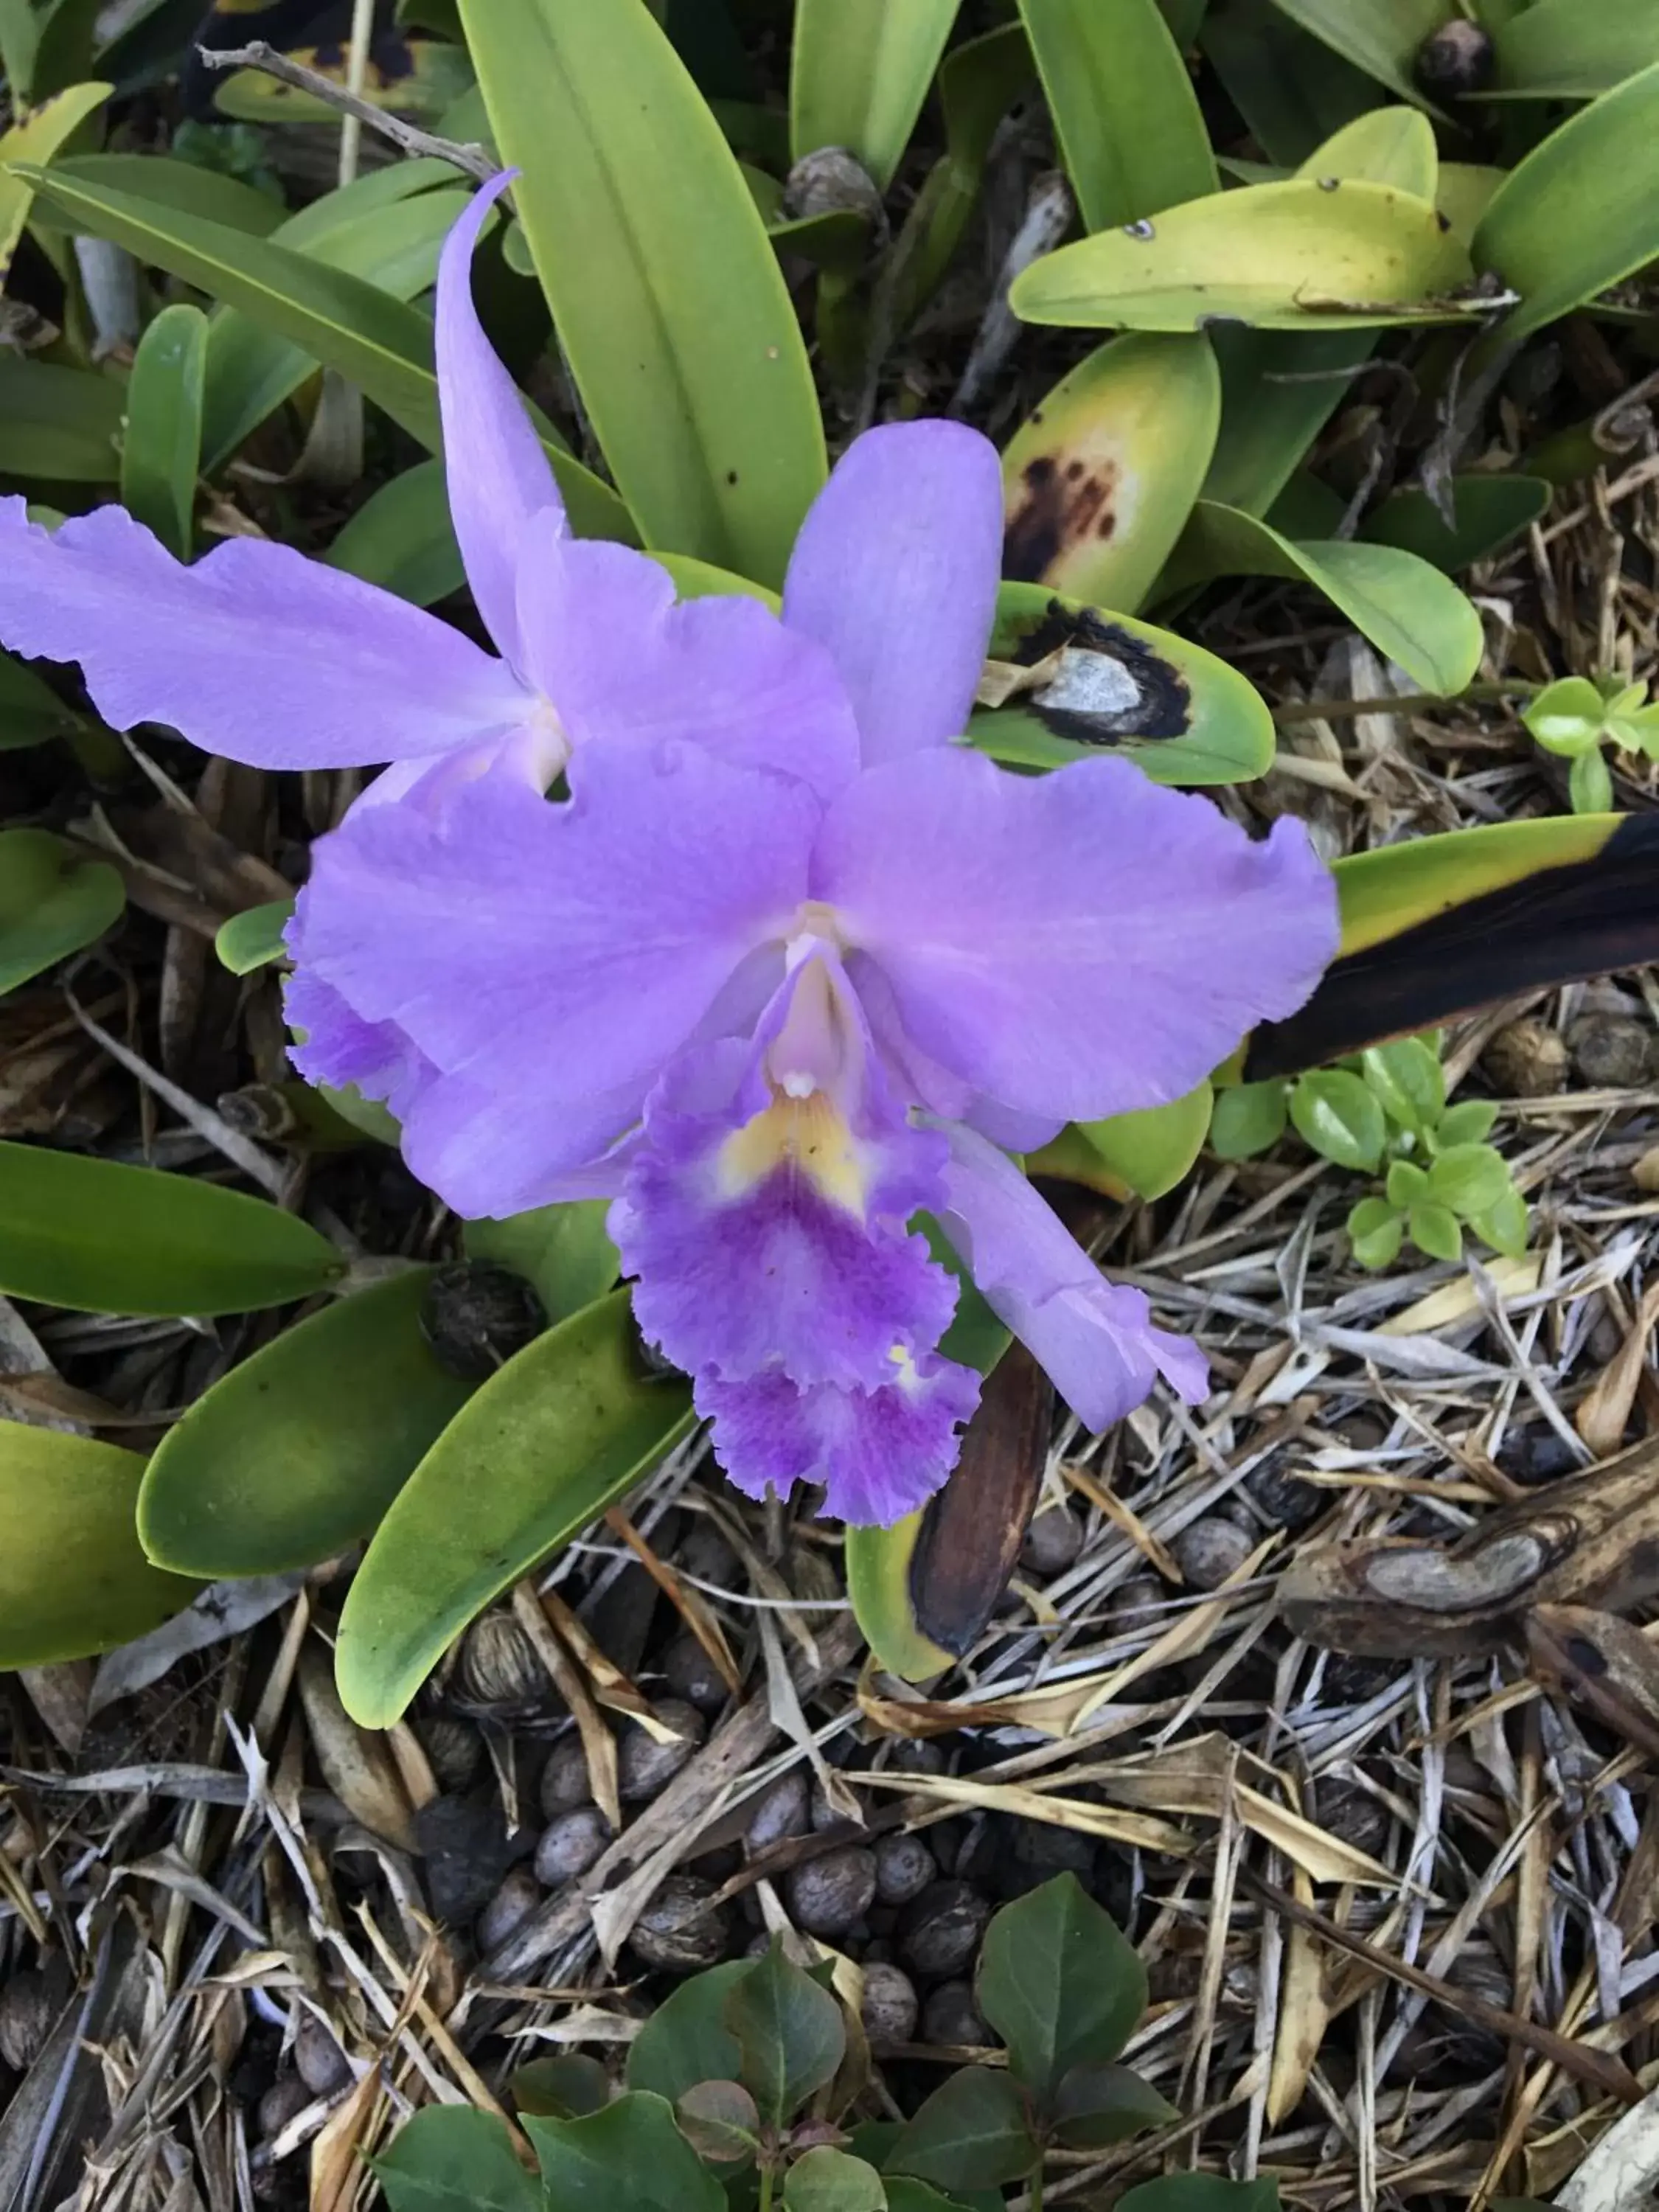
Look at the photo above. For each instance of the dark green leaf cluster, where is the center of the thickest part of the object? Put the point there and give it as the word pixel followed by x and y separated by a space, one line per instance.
pixel 1385 1113
pixel 741 2091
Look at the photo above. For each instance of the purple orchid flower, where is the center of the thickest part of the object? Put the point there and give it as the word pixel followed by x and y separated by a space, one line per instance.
pixel 788 970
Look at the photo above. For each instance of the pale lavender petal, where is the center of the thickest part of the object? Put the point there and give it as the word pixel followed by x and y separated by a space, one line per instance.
pixel 554 954
pixel 768 1229
pixel 488 1153
pixel 1075 945
pixel 335 1046
pixel 619 657
pixel 498 474
pixel 255 653
pixel 895 572
pixel 925 1083
pixel 879 1454
pixel 1095 1338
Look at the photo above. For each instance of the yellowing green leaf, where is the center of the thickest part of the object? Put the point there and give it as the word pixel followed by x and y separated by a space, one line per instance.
pixel 37 138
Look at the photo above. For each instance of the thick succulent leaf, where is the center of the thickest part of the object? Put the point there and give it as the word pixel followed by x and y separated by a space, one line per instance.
pixel 1293 89
pixel 1580 212
pixel 1125 110
pixel 1102 477
pixel 859 72
pixel 1305 254
pixel 565 1428
pixel 1382 38
pixel 161 450
pixel 54 900
pixel 73 1580
pixel 60 424
pixel 1561 50
pixel 638 217
pixel 376 342
pixel 1438 927
pixel 295 1454
pixel 1181 714
pixel 37 138
pixel 1408 610
pixel 104 1238
pixel 1489 511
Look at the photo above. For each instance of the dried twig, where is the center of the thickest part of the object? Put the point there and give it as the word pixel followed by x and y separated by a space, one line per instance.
pixel 258 55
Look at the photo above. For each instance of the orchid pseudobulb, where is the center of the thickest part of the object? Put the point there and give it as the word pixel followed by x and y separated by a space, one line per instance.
pixel 788 970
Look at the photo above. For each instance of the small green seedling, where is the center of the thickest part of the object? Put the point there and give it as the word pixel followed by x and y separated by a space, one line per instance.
pixel 1384 1113
pixel 738 2092
pixel 1577 717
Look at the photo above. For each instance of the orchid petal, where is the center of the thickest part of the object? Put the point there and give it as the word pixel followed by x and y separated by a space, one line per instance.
pixel 879 1454
pixel 488 1154
pixel 339 1048
pixel 498 474
pixel 896 571
pixel 1074 944
pixel 552 954
pixel 1095 1338
pixel 768 1227
pixel 255 653
pixel 607 642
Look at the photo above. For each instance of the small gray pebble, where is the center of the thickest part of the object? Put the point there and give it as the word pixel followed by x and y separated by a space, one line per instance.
pixel 677 1932
pixel 779 1812
pixel 321 2063
pixel 287 2096
pixel 950 2017
pixel 827 1894
pixel 1048 1850
pixel 572 1844
pixel 454 1747
pixel 1130 1605
pixel 1210 1550
pixel 917 1754
pixel 518 1896
pixel 824 1815
pixel 889 2008
pixel 1052 1540
pixel 904 1867
pixel 1612 1052
pixel 705 1554
pixel 27 2013
pixel 644 1767
pixel 564 1779
pixel 942 1929
pixel 690 1673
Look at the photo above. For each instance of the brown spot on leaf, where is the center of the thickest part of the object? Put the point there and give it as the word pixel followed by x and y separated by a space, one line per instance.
pixel 1059 510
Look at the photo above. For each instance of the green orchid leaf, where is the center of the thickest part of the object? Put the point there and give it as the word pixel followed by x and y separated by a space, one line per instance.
pixel 1060 1984
pixel 1100 478
pixel 1434 1229
pixel 631 2153
pixel 1126 113
pixel 1413 614
pixel 428 78
pixel 790 2035
pixel 638 217
pixel 38 137
pixel 1249 1118
pixel 1490 511
pixel 402 538
pixel 860 71
pixel 1141 1155
pixel 1557 50
pixel 253 939
pixel 1463 195
pixel 563 1250
pixel 296 1453
pixel 1181 714
pixel 1407 1077
pixel 391 244
pixel 1589 784
pixel 1293 90
pixel 878 1563
pixel 104 1238
pixel 54 900
pixel 63 424
pixel 1336 1114
pixel 978 81
pixel 1387 146
pixel 1436 926
pixel 73 1580
pixel 1306 254
pixel 161 452
pixel 686 2040
pixel 451 2158
pixel 375 342
pixel 565 1428
pixel 1578 213
pixel 972 2133
pixel 827 2181
pixel 175 184
pixel 1468 1179
pixel 1382 37
pixel 1376 1230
